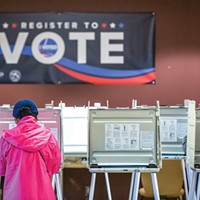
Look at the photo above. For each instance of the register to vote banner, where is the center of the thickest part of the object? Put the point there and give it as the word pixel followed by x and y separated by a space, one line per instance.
pixel 94 48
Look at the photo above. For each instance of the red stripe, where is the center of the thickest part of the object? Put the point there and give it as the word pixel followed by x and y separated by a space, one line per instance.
pixel 147 78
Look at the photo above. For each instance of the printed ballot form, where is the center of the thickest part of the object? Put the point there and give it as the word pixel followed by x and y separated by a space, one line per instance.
pixel 127 137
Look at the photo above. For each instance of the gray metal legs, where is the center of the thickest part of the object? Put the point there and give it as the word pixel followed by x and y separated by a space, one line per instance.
pixel 92 186
pixel 155 186
pixel 135 181
pixel 134 186
pixel 185 177
pixel 56 182
pixel 193 185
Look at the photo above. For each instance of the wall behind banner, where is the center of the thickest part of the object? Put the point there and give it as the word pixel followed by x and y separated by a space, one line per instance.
pixel 177 55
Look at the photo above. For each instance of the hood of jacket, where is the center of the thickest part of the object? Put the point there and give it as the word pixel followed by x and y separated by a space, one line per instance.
pixel 28 135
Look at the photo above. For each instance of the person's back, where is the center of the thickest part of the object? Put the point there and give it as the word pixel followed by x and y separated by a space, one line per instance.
pixel 29 156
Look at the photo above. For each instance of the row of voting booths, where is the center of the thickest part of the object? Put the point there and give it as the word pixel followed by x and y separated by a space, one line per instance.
pixel 132 140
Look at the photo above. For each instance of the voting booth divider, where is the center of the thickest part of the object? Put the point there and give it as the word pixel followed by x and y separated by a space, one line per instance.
pixel 189 119
pixel 193 154
pixel 75 129
pixel 173 129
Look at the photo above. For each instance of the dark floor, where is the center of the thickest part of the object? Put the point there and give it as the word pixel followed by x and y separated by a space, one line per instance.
pixel 160 198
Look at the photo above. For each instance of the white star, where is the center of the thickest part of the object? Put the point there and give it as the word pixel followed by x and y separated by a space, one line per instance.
pixel 5 25
pixel 112 25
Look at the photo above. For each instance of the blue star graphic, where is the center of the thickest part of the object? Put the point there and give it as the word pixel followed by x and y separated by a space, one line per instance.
pixel 121 25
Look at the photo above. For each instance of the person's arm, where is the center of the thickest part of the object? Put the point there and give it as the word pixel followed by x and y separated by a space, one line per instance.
pixel 52 156
pixel 4 148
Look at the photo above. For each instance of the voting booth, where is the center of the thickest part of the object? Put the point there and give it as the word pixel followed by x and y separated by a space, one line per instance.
pixel 49 118
pixel 123 140
pixel 193 155
pixel 173 128
pixel 194 143
pixel 75 130
pixel 74 120
pixel 191 161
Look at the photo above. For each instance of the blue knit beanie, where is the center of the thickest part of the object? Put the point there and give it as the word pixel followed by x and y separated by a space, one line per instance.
pixel 24 103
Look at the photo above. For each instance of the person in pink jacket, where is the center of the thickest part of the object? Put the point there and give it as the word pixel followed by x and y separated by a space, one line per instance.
pixel 29 156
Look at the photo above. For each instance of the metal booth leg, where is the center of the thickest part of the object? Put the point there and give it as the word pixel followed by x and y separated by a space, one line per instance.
pixel 92 186
pixel 108 186
pixel 58 187
pixel 193 185
pixel 198 187
pixel 136 188
pixel 155 186
pixel 185 177
pixel 131 185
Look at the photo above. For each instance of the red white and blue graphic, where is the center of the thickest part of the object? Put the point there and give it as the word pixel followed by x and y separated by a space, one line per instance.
pixel 94 48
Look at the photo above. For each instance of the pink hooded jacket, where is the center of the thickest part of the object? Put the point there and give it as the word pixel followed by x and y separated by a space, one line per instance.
pixel 29 156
